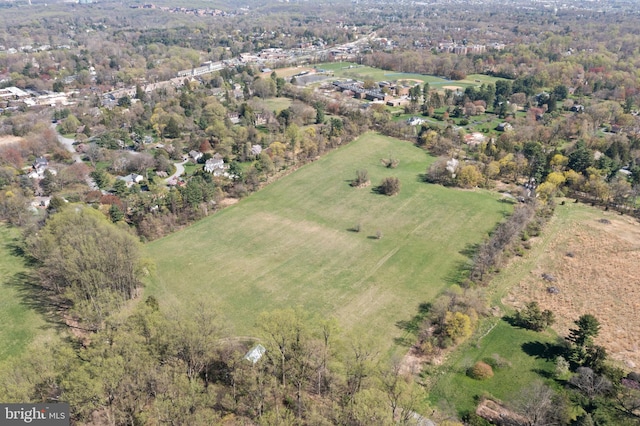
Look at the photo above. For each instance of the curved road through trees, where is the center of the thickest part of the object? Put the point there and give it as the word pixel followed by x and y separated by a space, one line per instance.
pixel 179 172
pixel 68 144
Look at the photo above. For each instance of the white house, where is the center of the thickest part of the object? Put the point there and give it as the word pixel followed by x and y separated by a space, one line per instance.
pixel 195 155
pixel 415 121
pixel 215 165
pixel 474 139
pixel 131 179
pixel 39 166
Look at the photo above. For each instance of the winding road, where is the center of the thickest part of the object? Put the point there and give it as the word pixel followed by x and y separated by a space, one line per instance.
pixel 179 172
pixel 68 144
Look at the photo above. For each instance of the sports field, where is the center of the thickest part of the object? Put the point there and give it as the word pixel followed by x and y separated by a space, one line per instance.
pixel 293 244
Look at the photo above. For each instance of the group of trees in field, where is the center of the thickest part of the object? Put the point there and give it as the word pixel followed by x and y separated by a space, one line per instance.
pixel 599 168
pixel 602 393
pixel 86 263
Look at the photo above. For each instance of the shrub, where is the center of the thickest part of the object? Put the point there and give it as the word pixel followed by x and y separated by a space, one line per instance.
pixel 496 361
pixel 469 176
pixel 390 163
pixel 362 179
pixel 532 318
pixel 562 367
pixel 457 325
pixel 634 376
pixel 390 186
pixel 480 371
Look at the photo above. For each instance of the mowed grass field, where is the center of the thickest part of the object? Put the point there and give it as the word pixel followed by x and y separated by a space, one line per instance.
pixel 277 104
pixel 292 244
pixel 353 70
pixel 20 323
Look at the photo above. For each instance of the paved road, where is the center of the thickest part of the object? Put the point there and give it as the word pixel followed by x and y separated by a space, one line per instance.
pixel 68 144
pixel 179 172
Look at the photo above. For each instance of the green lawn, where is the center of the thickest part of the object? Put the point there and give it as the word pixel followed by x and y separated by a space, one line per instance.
pixel 20 323
pixel 336 66
pixel 277 104
pixel 352 70
pixel 360 72
pixel 479 79
pixel 190 168
pixel 516 346
pixel 290 244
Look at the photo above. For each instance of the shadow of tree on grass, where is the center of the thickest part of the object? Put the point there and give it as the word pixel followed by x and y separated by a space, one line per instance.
pixel 543 350
pixel 412 326
pixel 38 298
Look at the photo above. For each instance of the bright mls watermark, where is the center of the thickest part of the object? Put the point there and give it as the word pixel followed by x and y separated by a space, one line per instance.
pixel 34 414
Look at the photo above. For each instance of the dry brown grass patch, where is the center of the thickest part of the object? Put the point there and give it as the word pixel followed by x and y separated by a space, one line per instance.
pixel 9 139
pixel 596 268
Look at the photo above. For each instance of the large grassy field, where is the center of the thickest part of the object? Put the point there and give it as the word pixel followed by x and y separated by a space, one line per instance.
pixel 292 244
pixel 360 72
pixel 20 323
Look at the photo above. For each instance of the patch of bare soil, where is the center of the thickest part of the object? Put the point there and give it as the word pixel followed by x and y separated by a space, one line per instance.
pixel 362 185
pixel 9 139
pixel 594 268
pixel 412 362
pixel 454 88
pixel 226 202
pixel 498 414
pixel 412 80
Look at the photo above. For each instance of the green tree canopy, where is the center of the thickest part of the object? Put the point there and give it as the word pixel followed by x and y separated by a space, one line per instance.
pixel 588 328
pixel 87 261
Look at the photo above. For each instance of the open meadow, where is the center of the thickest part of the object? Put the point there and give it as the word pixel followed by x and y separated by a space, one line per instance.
pixel 21 323
pixel 293 244
pixel 514 354
pixel 593 261
pixel 592 257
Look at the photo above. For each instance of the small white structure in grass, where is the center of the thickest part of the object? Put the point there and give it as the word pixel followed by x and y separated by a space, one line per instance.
pixel 255 353
pixel 452 166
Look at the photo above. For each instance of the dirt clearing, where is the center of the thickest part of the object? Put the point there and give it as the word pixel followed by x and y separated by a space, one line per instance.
pixel 8 139
pixel 594 264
